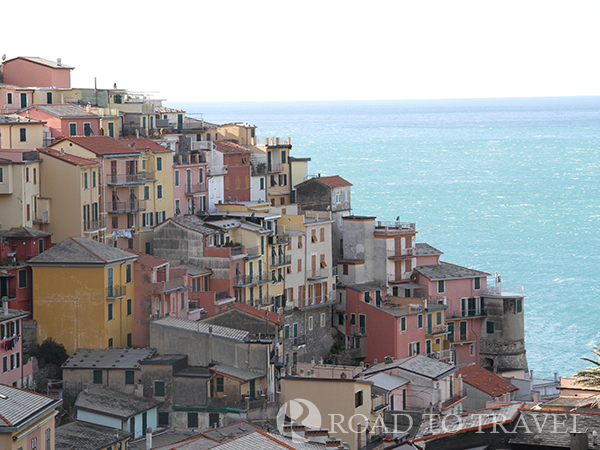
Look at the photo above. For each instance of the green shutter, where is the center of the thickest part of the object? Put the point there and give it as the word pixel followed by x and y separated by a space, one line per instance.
pixel 159 388
pixel 192 420
pixel 128 271
pixel 110 311
pixel 129 311
pixel 159 163
pixel 97 377
pixel 420 321
pixel 129 377
pixel 220 384
pixel 403 324
pixel 22 278
pixel 490 327
pixel 73 129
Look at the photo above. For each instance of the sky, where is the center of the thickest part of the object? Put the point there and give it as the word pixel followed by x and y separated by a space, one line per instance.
pixel 217 51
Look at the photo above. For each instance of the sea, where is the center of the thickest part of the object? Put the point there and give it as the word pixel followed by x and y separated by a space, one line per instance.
pixel 507 186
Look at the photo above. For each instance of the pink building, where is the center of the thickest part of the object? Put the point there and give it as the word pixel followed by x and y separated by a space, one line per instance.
pixel 460 288
pixel 37 72
pixel 17 245
pixel 65 119
pixel 190 184
pixel 13 98
pixel 15 371
pixel 160 290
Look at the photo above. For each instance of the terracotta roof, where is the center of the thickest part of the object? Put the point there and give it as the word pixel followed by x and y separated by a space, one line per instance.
pixel 230 147
pixel 146 144
pixel 148 260
pixel 42 61
pixel 100 145
pixel 484 380
pixel 334 181
pixel 71 159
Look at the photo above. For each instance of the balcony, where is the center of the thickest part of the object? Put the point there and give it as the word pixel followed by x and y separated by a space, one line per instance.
pixel 470 313
pixel 436 330
pixel 281 260
pixel 216 171
pixel 253 252
pixel 394 227
pixel 457 397
pixel 446 356
pixel 463 338
pixel 319 274
pixel 192 189
pixel 359 353
pixel 116 291
pixel 125 207
pixel 175 284
pixel 358 330
pixel 243 281
pixel 399 278
pixel 277 239
pixel 128 179
pixel 275 168
pixel 41 217
pixel 93 225
pixel 11 293
pixel 192 158
pixel 401 253
pixel 261 278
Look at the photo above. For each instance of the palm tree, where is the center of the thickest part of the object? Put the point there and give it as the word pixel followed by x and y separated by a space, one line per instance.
pixel 590 376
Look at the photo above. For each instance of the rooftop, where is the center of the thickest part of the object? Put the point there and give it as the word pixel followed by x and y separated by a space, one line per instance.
pixel 23 233
pixel 42 61
pixel 146 144
pixel 15 118
pixel 63 110
pixel 193 223
pixel 148 260
pixel 112 403
pixel 270 316
pixel 236 429
pixel 484 380
pixel 447 271
pixel 236 372
pixel 366 287
pixel 68 158
pixel 108 358
pixel 386 381
pixel 19 406
pixel 230 147
pixel 87 436
pixel 164 359
pixel 422 249
pixel 100 145
pixel 419 364
pixel 79 250
pixel 203 328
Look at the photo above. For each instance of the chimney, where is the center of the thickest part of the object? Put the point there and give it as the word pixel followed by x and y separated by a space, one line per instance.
pixel 5 307
pixel 88 108
pixel 59 61
pixel 148 438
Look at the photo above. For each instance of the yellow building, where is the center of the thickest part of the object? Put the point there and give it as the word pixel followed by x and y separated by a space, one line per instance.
pixel 19 132
pixel 157 191
pixel 20 202
pixel 83 294
pixel 72 186
pixel 279 180
pixel 239 132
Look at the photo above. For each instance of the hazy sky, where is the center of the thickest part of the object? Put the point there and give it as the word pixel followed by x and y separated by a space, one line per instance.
pixel 315 50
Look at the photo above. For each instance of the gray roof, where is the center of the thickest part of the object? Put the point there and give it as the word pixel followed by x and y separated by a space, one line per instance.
pixel 12 314
pixel 195 224
pixel 445 271
pixel 12 118
pixel 79 250
pixel 112 403
pixel 44 61
pixel 419 364
pixel 267 441
pixel 430 429
pixel 366 287
pixel 194 442
pixel 202 327
pixel 63 111
pixel 87 436
pixel 236 372
pixel 163 359
pixel 422 249
pixel 17 406
pixel 387 382
pixel 237 429
pixel 193 269
pixel 542 433
pixel 194 372
pixel 109 358
pixel 24 233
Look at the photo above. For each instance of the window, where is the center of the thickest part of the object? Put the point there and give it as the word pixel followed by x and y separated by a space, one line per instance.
pixel 87 128
pixel 144 121
pixel 111 129
pixel 110 311
pixel 73 129
pixel 338 198
pixel 1 174
pixel 182 300
pixel 414 348
pixel 358 399
pixel 192 420
pixel 420 321
pixel 262 183
pixel 13 364
pixel 220 384
pixel 200 175
pixel 177 207
pixel 177 178
pixel 438 318
pixel 23 134
pixel 163 419
pixel 159 388
pixel 94 179
pixel 97 377
pixel 286 332
pixel 9 98
pixel 519 305
pixel 159 163
pixel 27 174
pixel 403 324
pixel 146 192
pixel 129 341
pixel 110 343
pixel 472 350
pixel 85 180
pixel 283 157
pixel 490 327
pixel 129 307
pixel 34 443
pixel 352 319
pixel 159 191
pixel 5 364
pixel 310 323
pixel 129 377
pixel 118 99
pixel 322 320
pixel 48 431
pixel 441 286
pixel 22 278
pixel 477 282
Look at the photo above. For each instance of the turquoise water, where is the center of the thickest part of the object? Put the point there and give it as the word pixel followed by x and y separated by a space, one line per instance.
pixel 508 186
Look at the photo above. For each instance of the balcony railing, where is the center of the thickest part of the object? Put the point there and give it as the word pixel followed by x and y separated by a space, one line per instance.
pixel 358 330
pixel 318 274
pixel 394 227
pixel 125 207
pixel 243 280
pixel 215 171
pixel 116 291
pixel 462 337
pixel 397 278
pixel 436 329
pixel 10 293
pixel 196 188
pixel 401 253
pixel 174 284
pixel 94 225
pixel 275 168
pixel 128 178
pixel 281 260
pixel 253 252
pixel 279 239
pixel 261 278
pixel 42 217
pixel 454 399
pixel 470 312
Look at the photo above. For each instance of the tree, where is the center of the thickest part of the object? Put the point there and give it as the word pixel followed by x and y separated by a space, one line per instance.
pixel 590 376
pixel 51 353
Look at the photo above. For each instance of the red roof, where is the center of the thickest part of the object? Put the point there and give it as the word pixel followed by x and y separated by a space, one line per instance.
pixel 148 260
pixel 484 380
pixel 230 147
pixel 146 144
pixel 100 145
pixel 67 157
pixel 334 181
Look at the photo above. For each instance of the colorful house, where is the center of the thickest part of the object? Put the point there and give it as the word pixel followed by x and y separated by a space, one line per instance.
pixel 90 436
pixel 13 98
pixel 278 170
pixel 92 285
pixel 65 119
pixel 21 132
pixel 16 371
pixel 73 186
pixel 27 419
pixel 239 169
pixel 36 72
pixel 190 184
pixel 483 386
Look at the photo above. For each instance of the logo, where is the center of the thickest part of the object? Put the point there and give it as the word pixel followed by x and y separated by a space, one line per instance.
pixel 295 412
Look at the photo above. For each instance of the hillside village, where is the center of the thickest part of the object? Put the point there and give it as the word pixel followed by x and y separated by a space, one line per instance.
pixel 199 279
